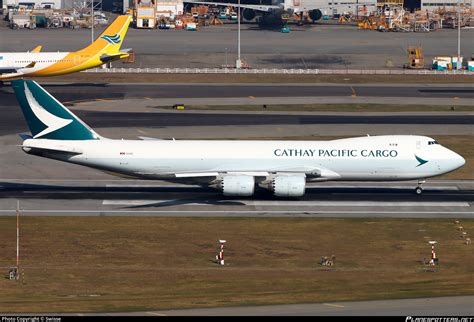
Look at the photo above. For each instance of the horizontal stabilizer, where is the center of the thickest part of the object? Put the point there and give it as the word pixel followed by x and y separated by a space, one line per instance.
pixel 51 148
pixel 105 58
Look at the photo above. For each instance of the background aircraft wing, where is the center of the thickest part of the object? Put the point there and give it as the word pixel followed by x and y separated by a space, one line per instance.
pixel 257 7
pixel 9 70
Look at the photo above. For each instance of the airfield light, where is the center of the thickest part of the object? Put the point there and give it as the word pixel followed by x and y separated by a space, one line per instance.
pixel 220 255
pixel 14 272
pixel 434 259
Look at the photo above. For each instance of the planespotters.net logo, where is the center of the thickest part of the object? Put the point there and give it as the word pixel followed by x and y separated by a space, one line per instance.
pixel 439 319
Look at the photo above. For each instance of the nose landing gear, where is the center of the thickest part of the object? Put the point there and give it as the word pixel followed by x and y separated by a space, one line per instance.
pixel 419 188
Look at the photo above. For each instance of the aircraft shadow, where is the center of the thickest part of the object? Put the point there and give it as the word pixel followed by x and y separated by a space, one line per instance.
pixel 204 195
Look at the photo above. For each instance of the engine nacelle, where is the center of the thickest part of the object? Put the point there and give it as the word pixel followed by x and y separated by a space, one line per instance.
pixel 289 186
pixel 248 14
pixel 315 14
pixel 237 185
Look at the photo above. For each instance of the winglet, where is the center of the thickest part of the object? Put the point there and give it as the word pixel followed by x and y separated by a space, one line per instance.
pixel 37 49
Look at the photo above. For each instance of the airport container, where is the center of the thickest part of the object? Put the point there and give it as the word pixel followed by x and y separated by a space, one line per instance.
pixel 445 60
pixel 191 26
pixel 454 61
pixel 442 65
pixel 470 65
pixel 41 21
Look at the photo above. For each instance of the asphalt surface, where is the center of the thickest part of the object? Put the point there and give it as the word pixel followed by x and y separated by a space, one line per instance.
pixel 90 91
pixel 459 306
pixel 12 120
pixel 322 45
pixel 440 199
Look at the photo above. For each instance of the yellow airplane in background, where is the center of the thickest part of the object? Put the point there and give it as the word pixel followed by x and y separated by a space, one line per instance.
pixel 104 49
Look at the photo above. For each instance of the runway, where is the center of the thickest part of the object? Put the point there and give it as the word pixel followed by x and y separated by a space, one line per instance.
pixel 441 199
pixel 458 306
pixel 89 91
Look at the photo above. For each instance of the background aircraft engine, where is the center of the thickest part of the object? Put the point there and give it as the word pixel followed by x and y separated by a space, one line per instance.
pixel 315 14
pixel 289 186
pixel 248 14
pixel 238 185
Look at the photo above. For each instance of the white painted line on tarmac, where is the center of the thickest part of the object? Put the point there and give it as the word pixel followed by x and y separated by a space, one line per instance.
pixel 156 314
pixel 334 305
pixel 257 203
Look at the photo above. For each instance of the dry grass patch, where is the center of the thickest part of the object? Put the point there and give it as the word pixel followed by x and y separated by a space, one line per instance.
pixel 125 263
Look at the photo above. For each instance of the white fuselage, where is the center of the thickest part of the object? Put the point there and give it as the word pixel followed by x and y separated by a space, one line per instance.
pixel 374 158
pixel 41 61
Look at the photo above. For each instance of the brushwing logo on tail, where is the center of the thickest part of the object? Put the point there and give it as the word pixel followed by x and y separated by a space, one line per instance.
pixel 51 121
pixel 112 39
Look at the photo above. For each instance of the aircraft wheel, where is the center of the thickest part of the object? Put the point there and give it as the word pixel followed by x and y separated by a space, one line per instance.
pixel 419 190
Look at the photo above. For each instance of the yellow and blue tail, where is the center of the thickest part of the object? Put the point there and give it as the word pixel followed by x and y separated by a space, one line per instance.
pixel 110 41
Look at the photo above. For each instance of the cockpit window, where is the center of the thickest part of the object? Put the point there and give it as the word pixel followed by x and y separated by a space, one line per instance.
pixel 432 142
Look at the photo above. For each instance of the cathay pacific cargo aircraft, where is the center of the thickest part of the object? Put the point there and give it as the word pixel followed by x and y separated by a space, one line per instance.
pixel 234 167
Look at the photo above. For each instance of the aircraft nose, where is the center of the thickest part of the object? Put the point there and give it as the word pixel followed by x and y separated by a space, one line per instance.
pixel 458 161
pixel 461 161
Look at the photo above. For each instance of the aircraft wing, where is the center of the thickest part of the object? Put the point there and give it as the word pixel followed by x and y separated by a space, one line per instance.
pixel 315 172
pixel 9 70
pixel 257 7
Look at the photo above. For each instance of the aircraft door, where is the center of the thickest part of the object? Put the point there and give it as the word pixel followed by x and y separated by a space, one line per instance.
pixel 77 59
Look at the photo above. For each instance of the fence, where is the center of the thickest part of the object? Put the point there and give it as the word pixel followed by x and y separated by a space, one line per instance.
pixel 279 71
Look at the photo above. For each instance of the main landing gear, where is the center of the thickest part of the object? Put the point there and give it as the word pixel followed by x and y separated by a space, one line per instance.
pixel 419 188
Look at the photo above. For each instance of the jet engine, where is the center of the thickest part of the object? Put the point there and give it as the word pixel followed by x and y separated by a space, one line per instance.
pixel 315 14
pixel 248 14
pixel 237 185
pixel 289 186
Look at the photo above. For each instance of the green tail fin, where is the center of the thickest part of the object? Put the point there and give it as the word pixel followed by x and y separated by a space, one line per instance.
pixel 47 118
